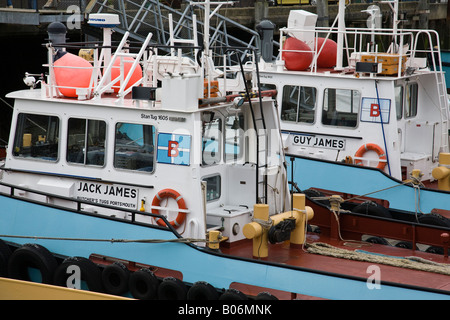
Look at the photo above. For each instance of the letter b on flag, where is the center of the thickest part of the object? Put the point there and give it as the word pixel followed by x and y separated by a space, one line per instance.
pixel 173 149
pixel 374 110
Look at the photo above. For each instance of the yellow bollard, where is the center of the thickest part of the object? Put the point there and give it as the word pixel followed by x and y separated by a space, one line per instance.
pixel 442 173
pixel 255 231
pixel 298 235
pixel 417 175
pixel 214 242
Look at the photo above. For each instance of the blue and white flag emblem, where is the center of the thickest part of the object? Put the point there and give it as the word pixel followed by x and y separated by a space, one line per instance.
pixel 174 148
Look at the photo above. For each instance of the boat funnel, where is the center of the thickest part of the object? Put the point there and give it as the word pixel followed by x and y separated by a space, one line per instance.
pixel 265 30
pixel 57 33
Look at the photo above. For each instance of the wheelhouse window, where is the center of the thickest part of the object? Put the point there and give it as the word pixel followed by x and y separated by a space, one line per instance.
pixel 341 107
pixel 298 104
pixel 398 91
pixel 213 189
pixel 411 91
pixel 36 137
pixel 234 137
pixel 211 139
pixel 86 141
pixel 134 147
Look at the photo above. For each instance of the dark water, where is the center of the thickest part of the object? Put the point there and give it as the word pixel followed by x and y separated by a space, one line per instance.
pixel 19 54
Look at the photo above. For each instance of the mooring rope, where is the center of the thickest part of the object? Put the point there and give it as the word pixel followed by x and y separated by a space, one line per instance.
pixel 179 240
pixel 415 263
pixel 384 189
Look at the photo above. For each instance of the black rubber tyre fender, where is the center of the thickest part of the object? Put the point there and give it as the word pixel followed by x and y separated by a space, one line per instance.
pixel 143 284
pixel 115 278
pixel 372 209
pixel 5 254
pixel 435 250
pixel 313 193
pixel 202 290
pixel 32 255
pixel 172 289
pixel 90 273
pixel 265 296
pixel 378 240
pixel 434 219
pixel 233 294
pixel 405 245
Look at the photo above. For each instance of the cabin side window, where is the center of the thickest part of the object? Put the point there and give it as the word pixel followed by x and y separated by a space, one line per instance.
pixel 211 139
pixel 86 141
pixel 36 137
pixel 411 91
pixel 341 107
pixel 298 104
pixel 134 147
pixel 398 91
pixel 234 137
pixel 213 189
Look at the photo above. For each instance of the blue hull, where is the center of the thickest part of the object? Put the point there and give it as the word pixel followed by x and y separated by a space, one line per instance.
pixel 357 180
pixel 19 217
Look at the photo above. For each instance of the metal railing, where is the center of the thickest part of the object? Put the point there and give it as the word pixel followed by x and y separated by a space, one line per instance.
pixel 139 17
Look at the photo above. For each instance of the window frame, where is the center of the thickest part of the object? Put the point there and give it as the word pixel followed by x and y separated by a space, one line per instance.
pixel 298 103
pixel 325 100
pixel 86 147
pixel 17 138
pixel 407 105
pixel 401 100
pixel 211 176
pixel 234 157
pixel 220 151
pixel 154 152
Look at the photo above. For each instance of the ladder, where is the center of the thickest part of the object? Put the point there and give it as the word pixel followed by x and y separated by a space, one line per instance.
pixel 442 93
pixel 262 142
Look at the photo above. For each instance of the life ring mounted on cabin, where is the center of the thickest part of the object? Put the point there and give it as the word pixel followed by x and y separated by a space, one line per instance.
pixel 371 147
pixel 170 193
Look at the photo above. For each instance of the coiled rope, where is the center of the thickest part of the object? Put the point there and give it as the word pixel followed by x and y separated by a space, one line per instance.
pixel 415 263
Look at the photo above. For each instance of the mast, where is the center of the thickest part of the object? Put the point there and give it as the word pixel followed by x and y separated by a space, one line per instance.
pixel 341 31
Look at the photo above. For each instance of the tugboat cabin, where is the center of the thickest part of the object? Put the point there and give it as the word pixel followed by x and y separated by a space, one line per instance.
pixel 162 142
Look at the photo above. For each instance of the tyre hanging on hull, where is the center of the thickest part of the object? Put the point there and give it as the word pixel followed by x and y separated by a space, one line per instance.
pixel 29 256
pixel 172 289
pixel 5 254
pixel 143 284
pixel 233 294
pixel 115 278
pixel 202 290
pixel 89 273
pixel 372 209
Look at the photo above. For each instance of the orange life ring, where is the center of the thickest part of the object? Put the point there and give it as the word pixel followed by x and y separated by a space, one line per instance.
pixel 373 147
pixel 181 205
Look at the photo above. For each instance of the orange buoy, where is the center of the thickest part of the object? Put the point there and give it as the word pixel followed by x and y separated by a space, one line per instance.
pixel 72 71
pixel 127 63
pixel 371 147
pixel 327 56
pixel 298 60
pixel 170 193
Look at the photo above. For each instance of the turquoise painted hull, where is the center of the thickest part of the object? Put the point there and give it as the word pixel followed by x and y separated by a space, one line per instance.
pixel 23 218
pixel 356 180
